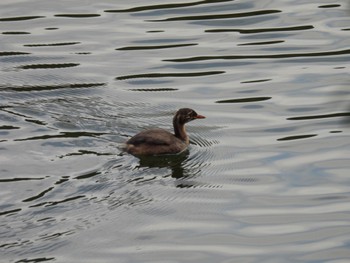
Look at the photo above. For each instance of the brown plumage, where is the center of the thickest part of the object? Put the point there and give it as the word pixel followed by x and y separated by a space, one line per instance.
pixel 159 141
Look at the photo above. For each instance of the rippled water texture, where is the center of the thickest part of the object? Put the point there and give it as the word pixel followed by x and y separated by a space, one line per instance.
pixel 266 177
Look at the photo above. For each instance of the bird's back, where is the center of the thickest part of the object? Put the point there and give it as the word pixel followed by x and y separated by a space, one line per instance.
pixel 155 142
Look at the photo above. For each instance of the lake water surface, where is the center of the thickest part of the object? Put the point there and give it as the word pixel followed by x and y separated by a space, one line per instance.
pixel 266 177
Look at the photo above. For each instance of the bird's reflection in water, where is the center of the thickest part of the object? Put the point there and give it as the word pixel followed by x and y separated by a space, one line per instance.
pixel 176 164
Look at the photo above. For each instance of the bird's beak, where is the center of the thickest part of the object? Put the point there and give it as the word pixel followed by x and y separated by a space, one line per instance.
pixel 200 117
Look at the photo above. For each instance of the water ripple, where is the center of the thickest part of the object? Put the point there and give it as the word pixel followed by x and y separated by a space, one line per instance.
pixel 34 260
pixel 155 47
pixel 63 135
pixel 52 44
pixel 322 116
pixel 165 6
pixel 329 6
pixel 87 175
pixel 166 75
pixel 8 127
pixel 255 81
pixel 13 53
pixel 19 18
pixel 262 43
pixel 50 87
pixel 39 195
pixel 77 15
pixel 53 203
pixel 9 212
pixel 296 137
pixel 49 66
pixel 16 33
pixel 16 179
pixel 218 16
pixel 261 30
pixel 243 100
pixel 155 89
pixel 270 56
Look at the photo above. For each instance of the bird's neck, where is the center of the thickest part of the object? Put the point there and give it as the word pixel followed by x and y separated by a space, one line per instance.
pixel 180 131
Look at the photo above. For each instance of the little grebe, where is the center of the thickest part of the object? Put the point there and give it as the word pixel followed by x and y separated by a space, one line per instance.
pixel 159 141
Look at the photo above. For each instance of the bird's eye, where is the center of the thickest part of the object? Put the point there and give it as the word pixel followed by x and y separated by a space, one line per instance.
pixel 190 115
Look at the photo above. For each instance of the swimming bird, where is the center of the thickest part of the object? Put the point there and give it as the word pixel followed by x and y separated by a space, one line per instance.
pixel 158 141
